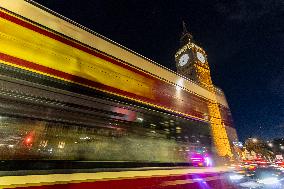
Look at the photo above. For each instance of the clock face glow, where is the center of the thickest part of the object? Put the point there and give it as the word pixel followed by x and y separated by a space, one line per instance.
pixel 183 60
pixel 200 57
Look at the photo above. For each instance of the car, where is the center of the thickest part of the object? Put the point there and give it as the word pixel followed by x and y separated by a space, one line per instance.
pixel 260 178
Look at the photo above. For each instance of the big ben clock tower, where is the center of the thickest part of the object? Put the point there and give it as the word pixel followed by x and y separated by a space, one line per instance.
pixel 191 62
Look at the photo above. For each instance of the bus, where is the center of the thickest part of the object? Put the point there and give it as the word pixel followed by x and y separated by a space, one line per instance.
pixel 81 111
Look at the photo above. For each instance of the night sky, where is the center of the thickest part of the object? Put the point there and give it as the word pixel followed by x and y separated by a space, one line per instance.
pixel 244 41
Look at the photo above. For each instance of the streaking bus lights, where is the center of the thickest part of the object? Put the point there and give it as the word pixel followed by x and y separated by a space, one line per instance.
pixel 29 139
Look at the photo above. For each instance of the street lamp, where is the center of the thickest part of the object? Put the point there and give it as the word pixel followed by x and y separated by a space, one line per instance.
pixel 254 140
pixel 270 144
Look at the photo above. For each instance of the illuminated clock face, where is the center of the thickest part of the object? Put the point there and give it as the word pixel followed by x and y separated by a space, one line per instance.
pixel 200 57
pixel 183 59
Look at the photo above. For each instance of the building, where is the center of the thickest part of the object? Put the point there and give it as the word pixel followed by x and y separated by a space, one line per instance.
pixel 192 63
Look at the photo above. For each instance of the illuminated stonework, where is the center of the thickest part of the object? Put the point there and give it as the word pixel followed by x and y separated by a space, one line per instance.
pixel 218 130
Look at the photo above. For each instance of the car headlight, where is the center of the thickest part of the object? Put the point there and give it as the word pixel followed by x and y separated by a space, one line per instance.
pixel 269 180
pixel 236 177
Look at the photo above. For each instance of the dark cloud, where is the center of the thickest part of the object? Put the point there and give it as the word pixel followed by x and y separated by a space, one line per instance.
pixel 247 10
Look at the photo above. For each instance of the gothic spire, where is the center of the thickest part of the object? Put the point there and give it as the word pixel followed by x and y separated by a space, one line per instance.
pixel 186 37
pixel 184 28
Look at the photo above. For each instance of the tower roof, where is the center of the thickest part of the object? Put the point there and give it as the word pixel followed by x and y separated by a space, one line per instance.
pixel 186 37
